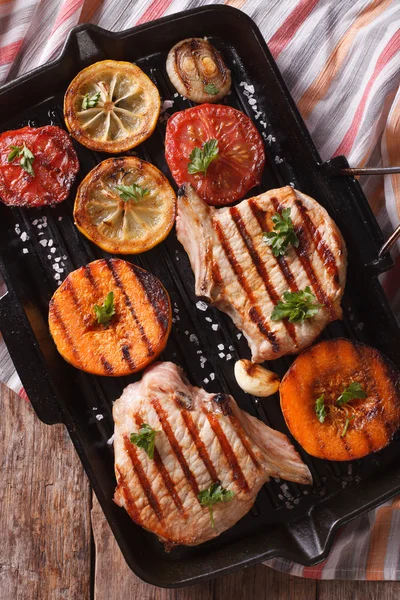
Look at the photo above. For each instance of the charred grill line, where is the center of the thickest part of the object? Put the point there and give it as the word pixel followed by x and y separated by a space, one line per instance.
pixel 284 267
pixel 169 484
pixel 175 446
pixel 126 492
pixel 56 315
pixel 243 439
pixel 228 451
pixel 200 446
pixel 366 370
pixel 150 351
pixel 158 302
pixel 323 250
pixel 302 254
pixel 127 356
pixel 141 475
pixel 69 286
pixel 254 312
pixel 260 267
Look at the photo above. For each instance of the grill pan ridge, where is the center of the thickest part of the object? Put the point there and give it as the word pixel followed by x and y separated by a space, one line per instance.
pixel 288 520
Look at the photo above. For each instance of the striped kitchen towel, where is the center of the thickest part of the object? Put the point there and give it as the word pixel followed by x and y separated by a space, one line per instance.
pixel 341 62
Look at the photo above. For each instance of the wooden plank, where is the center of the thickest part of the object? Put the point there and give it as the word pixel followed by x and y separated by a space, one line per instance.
pixel 45 509
pixel 114 580
pixel 358 590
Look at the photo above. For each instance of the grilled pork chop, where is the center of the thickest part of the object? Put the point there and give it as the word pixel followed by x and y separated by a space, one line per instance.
pixel 201 439
pixel 237 272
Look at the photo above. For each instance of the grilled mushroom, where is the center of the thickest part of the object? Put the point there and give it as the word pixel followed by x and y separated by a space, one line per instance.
pixel 197 71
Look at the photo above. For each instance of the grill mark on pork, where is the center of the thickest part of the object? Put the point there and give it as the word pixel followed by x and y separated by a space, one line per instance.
pixel 162 416
pixel 157 299
pixel 126 492
pixel 228 451
pixel 238 428
pixel 260 267
pixel 201 449
pixel 254 312
pixel 304 258
pixel 169 484
pixel 281 261
pixel 323 250
pixel 57 316
pixel 141 475
pixel 114 272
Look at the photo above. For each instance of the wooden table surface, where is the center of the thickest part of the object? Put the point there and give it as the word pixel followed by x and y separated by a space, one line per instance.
pixel 56 543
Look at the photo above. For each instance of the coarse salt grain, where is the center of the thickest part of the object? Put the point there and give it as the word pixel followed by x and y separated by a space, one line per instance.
pixel 25 251
pixel 220 346
pixel 206 380
pixel 228 356
pixel 111 440
pixel 99 417
pixel 193 338
pixel 52 250
pixel 50 243
pixel 201 305
pixel 221 355
pixel 209 319
pixel 24 236
pixel 215 327
pixel 212 376
pixel 43 243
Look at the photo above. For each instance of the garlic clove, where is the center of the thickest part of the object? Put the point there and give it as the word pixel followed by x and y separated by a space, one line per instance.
pixel 256 380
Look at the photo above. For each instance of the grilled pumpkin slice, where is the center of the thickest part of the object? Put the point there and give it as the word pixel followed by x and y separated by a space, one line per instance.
pixel 111 106
pixel 110 318
pixel 341 400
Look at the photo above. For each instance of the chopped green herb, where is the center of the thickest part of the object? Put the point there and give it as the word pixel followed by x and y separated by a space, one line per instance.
pixel 283 235
pixel 145 439
pixel 212 495
pixel 201 158
pixel 26 157
pixel 354 390
pixel 90 100
pixel 320 409
pixel 132 192
pixel 297 306
pixel 105 311
pixel 346 426
pixel 210 88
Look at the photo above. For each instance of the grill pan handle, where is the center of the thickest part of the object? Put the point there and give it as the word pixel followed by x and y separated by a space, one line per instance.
pixel 27 358
pixel 338 166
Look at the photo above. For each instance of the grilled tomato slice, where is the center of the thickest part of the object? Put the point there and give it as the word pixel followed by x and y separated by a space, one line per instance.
pixel 111 106
pixel 341 400
pixel 217 149
pixel 110 318
pixel 125 205
pixel 37 166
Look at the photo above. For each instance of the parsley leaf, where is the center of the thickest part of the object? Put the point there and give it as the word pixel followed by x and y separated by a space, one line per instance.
pixel 90 100
pixel 201 158
pixel 320 409
pixel 283 235
pixel 346 426
pixel 297 306
pixel 354 390
pixel 211 89
pixel 26 156
pixel 145 439
pixel 105 311
pixel 132 192
pixel 212 495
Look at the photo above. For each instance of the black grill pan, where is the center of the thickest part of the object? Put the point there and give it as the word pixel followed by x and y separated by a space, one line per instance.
pixel 287 520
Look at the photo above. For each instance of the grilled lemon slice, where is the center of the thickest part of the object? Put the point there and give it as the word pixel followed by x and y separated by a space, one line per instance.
pixel 125 205
pixel 111 106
